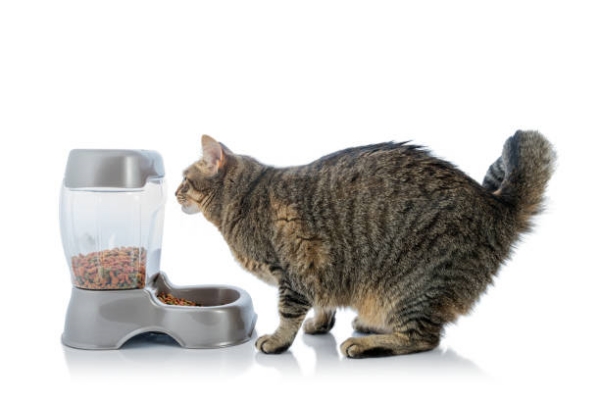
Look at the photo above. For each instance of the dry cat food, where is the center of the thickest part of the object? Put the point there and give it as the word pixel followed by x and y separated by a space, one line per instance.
pixel 169 299
pixel 118 268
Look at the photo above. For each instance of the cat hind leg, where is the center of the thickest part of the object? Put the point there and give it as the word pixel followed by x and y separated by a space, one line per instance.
pixel 412 335
pixel 389 344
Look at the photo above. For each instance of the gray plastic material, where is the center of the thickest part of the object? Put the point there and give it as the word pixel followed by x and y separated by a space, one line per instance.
pixel 120 169
pixel 107 319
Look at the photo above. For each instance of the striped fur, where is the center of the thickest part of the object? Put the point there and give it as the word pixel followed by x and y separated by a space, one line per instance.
pixel 405 239
pixel 494 176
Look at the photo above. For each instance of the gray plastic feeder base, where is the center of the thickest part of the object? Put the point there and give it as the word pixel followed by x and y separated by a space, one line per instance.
pixel 106 319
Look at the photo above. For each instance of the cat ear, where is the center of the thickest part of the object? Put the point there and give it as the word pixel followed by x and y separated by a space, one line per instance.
pixel 212 153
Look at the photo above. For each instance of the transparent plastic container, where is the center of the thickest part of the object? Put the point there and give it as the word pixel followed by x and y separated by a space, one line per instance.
pixel 111 217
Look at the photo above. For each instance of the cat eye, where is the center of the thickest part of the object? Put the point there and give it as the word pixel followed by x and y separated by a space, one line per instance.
pixel 189 183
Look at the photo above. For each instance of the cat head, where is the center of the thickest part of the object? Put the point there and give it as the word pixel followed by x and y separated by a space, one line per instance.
pixel 202 185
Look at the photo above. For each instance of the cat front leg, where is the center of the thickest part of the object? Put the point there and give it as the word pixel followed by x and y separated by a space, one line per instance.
pixel 321 322
pixel 293 307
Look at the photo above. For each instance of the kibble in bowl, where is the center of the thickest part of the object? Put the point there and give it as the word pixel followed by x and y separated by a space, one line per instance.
pixel 118 268
pixel 172 300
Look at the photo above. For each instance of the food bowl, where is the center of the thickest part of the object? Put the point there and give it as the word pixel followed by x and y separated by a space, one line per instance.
pixel 106 319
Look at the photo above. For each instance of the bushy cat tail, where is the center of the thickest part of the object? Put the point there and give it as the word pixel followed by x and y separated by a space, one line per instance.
pixel 520 176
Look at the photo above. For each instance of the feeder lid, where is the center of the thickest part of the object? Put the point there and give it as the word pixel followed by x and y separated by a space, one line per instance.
pixel 120 169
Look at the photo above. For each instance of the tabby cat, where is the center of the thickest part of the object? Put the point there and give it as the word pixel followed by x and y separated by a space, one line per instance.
pixel 407 240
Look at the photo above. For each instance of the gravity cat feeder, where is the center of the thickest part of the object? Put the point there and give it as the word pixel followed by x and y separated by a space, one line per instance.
pixel 111 219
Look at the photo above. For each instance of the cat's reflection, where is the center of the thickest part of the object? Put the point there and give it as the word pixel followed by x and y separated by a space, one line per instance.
pixel 156 354
pixel 439 362
pixel 286 363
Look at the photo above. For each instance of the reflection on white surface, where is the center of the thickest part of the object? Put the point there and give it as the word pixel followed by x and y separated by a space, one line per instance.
pixel 436 362
pixel 311 355
pixel 158 353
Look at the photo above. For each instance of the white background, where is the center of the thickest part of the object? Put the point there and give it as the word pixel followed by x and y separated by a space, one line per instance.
pixel 288 82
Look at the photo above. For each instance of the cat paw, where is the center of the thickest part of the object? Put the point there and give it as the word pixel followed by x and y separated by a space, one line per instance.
pixel 315 326
pixel 269 344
